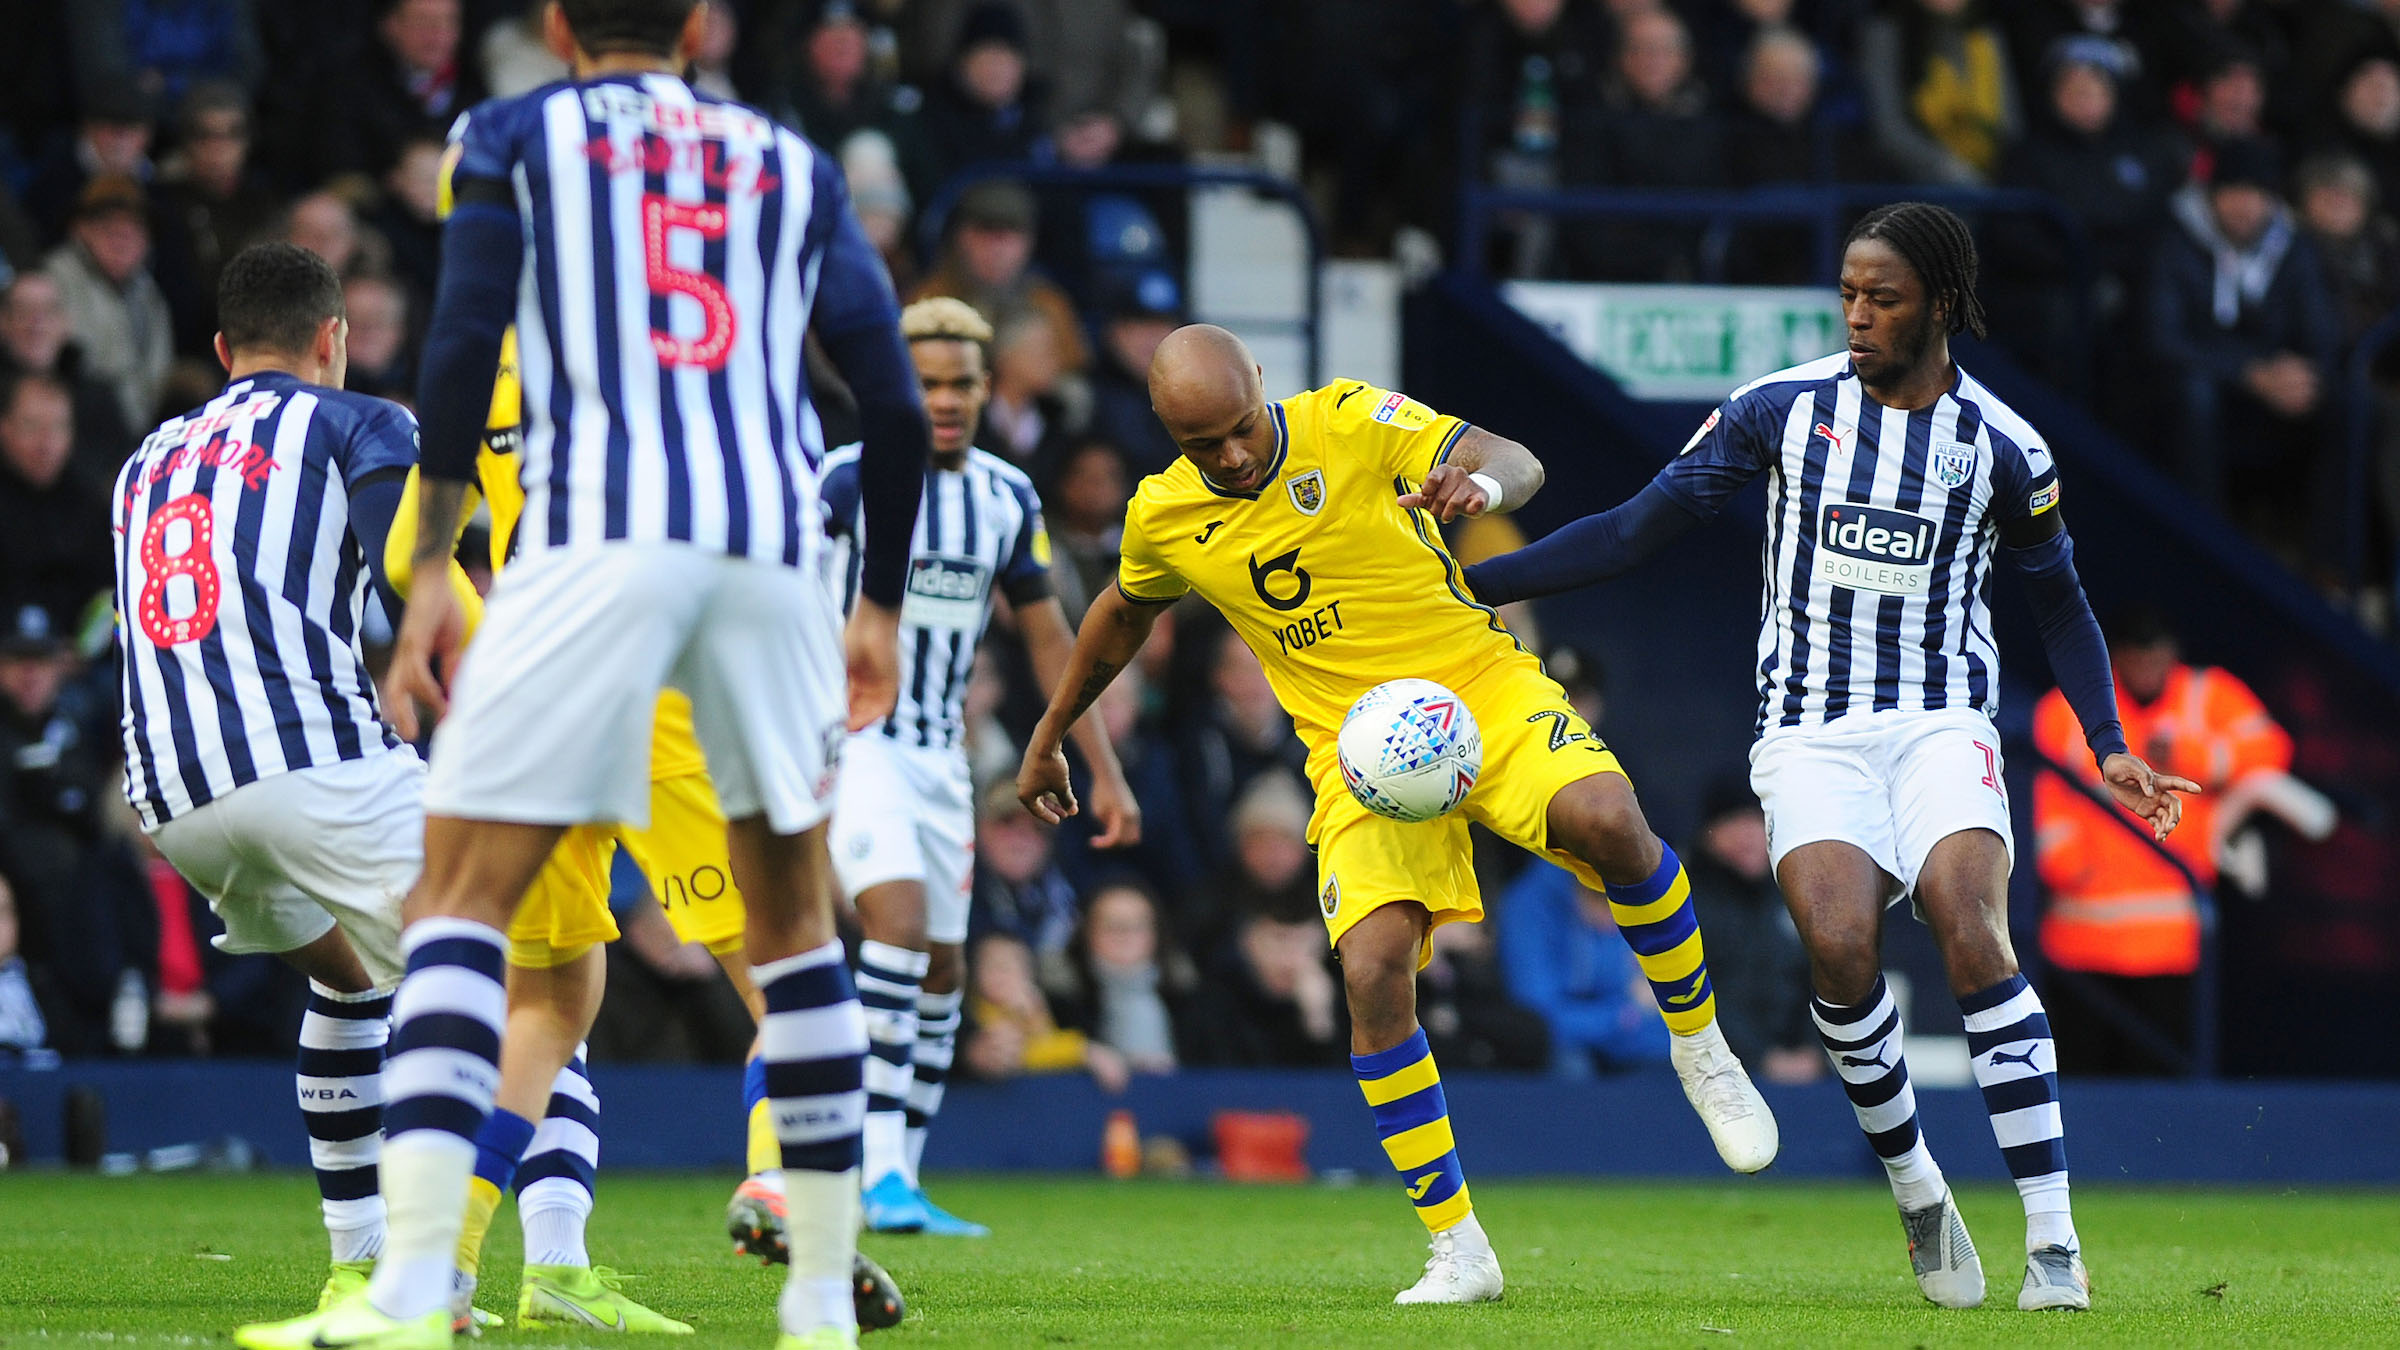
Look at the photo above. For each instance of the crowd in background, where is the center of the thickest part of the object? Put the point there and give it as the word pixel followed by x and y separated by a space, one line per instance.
pixel 2229 159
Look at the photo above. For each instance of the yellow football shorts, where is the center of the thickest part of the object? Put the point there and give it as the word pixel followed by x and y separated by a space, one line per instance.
pixel 683 854
pixel 565 912
pixel 1534 745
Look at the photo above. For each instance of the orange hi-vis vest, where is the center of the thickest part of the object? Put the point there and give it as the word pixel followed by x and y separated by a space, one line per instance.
pixel 2116 907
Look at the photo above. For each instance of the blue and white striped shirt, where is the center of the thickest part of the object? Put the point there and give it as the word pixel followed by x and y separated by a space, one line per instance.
pixel 979 527
pixel 240 589
pixel 1880 532
pixel 678 247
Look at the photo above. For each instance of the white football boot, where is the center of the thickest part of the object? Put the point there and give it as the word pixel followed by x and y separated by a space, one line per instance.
pixel 2055 1281
pixel 1949 1273
pixel 1462 1269
pixel 1736 1116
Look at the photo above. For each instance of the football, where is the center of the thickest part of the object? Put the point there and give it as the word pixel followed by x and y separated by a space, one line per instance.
pixel 1410 750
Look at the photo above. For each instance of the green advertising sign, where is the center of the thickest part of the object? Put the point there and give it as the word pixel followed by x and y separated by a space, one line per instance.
pixel 1697 343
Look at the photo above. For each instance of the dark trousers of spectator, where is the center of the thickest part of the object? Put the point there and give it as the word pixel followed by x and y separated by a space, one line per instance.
pixel 2089 1012
pixel 2278 477
pixel 649 1019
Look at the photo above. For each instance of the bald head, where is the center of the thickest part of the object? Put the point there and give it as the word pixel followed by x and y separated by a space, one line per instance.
pixel 1207 391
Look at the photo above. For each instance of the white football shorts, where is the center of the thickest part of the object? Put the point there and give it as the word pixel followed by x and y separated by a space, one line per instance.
pixel 286 858
pixel 1894 784
pixel 551 711
pixel 905 813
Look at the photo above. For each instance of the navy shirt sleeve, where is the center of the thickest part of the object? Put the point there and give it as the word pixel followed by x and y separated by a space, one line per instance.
pixel 383 437
pixel 1025 571
pixel 839 493
pixel 1732 447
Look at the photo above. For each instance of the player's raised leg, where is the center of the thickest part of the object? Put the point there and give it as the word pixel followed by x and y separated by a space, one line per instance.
pixel 1964 891
pixel 1597 820
pixel 1388 1052
pixel 1836 894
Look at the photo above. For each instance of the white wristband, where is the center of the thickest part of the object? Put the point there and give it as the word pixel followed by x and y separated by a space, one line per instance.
pixel 1491 489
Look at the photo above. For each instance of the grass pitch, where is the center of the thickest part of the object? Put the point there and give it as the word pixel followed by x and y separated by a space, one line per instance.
pixel 1078 1261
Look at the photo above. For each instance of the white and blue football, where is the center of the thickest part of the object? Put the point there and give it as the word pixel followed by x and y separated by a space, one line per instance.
pixel 1410 750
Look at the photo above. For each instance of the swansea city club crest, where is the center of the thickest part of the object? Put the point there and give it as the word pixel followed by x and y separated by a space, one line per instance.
pixel 1308 491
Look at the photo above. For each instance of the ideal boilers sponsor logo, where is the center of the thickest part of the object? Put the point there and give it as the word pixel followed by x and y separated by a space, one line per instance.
pixel 945 592
pixel 1875 548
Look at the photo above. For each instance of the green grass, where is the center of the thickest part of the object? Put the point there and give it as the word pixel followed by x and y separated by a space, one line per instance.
pixel 180 1260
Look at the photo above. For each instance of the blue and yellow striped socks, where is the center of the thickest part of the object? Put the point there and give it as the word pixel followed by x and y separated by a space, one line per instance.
pixel 498 1148
pixel 1413 1120
pixel 1658 923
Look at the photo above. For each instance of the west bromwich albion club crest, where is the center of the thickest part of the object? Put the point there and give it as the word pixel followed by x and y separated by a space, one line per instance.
pixel 1308 491
pixel 1953 463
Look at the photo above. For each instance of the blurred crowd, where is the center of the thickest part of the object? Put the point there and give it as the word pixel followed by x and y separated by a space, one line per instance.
pixel 2230 160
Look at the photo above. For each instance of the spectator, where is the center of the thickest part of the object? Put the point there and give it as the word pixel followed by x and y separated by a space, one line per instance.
pixel 2243 328
pixel 1094 53
pixel 1268 999
pixel 408 81
pixel 209 203
pixel 85 909
pixel 829 88
pixel 1755 960
pixel 513 56
pixel 1242 733
pixel 1167 851
pixel 879 195
pixel 2368 123
pixel 1661 133
pixel 1139 313
pixel 989 108
pixel 1127 978
pixel 163 47
pixel 1025 421
pixel 381 360
pixel 1941 100
pixel 1013 1031
pixel 1273 871
pixel 1565 960
pixel 711 69
pixel 1532 94
pixel 1773 137
pixel 408 216
pixel 54 532
pixel 35 340
pixel 2138 37
pixel 987 262
pixel 324 223
pixel 1085 504
pixel 2111 172
pixel 2120 917
pixel 24 1031
pixel 1019 891
pixel 2232 106
pixel 111 141
pixel 114 307
pixel 2357 243
pixel 1464 1006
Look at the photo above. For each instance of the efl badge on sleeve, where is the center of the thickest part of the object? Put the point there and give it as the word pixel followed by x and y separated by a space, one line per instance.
pixel 1308 491
pixel 1953 463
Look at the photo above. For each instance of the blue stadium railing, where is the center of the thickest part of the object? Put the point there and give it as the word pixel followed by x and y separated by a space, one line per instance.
pixel 934 219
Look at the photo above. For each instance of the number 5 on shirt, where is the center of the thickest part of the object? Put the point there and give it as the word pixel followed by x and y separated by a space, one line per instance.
pixel 660 215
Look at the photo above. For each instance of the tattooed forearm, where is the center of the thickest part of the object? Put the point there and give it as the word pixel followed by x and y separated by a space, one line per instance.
pixel 1093 685
pixel 439 506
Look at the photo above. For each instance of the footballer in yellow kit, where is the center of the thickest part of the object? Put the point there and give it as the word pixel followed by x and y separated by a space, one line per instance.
pixel 682 850
pixel 1312 524
pixel 1339 589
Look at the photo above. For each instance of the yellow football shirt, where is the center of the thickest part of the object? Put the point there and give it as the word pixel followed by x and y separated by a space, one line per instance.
pixel 1333 585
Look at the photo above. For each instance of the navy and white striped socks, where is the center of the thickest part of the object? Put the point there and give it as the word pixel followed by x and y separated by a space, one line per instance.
pixel 555 1182
pixel 889 978
pixel 2016 1065
pixel 443 1070
pixel 937 1044
pixel 340 1081
pixel 813 1041
pixel 1864 1042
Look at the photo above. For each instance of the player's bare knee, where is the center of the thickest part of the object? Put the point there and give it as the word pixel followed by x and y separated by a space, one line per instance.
pixel 1600 820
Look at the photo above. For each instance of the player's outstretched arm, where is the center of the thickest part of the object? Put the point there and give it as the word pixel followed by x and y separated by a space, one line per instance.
pixel 1050 646
pixel 1114 630
pixel 1584 551
pixel 1483 473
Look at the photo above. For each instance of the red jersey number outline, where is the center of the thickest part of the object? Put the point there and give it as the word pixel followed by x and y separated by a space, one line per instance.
pixel 660 215
pixel 195 561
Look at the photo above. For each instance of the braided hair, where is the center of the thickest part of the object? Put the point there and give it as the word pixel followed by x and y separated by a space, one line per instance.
pixel 1935 243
